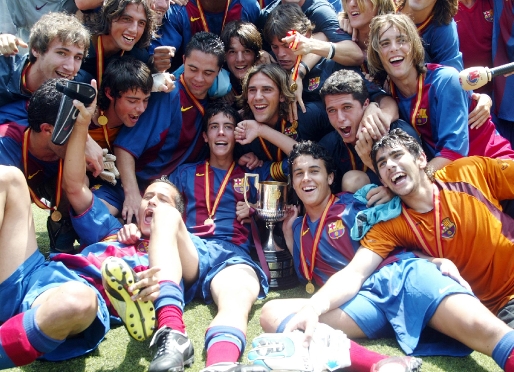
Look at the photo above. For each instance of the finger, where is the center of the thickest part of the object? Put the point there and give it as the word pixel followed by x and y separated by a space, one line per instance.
pixel 302 106
pixel 149 272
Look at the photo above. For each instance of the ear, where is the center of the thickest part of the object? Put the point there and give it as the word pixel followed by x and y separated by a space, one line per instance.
pixel 108 94
pixel 422 160
pixel 366 103
pixel 205 137
pixel 330 178
pixel 46 129
pixel 35 53
pixel 281 98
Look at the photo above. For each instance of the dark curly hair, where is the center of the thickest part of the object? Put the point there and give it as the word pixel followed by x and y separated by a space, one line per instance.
pixel 44 104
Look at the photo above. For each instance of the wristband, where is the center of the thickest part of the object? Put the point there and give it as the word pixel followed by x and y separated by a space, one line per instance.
pixel 332 51
pixel 307 69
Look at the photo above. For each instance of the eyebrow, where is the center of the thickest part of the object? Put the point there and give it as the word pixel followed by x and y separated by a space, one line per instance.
pixel 68 50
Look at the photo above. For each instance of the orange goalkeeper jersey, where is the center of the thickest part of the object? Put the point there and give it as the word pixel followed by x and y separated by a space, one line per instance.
pixel 475 234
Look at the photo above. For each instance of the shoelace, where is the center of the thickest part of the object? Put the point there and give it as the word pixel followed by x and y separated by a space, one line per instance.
pixel 166 344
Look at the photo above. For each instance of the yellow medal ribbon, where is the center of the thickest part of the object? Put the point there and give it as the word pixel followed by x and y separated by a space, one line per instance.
pixel 211 212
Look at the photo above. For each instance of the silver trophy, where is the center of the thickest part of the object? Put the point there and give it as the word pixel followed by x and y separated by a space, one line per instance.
pixel 271 207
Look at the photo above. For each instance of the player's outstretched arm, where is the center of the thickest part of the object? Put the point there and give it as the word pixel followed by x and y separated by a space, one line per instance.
pixel 339 289
pixel 248 130
pixel 74 172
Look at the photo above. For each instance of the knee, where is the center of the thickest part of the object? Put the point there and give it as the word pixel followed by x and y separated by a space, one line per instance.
pixel 78 303
pixel 268 318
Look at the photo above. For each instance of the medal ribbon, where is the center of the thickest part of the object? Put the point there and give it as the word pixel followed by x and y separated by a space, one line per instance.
pixel 293 45
pixel 204 21
pixel 220 191
pixel 265 147
pixel 352 159
pixel 422 27
pixel 317 236
pixel 58 191
pixel 197 103
pixel 100 60
pixel 24 78
pixel 437 226
pixel 419 96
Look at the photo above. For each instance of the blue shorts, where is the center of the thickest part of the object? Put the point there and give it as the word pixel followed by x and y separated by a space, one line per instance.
pixel 36 276
pixel 114 195
pixel 220 255
pixel 399 300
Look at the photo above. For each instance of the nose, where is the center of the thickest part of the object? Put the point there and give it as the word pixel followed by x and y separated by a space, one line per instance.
pixel 341 117
pixel 140 107
pixel 239 56
pixel 351 2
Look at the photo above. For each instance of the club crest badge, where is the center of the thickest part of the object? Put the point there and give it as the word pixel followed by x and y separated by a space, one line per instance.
pixel 143 246
pixel 313 83
pixel 239 185
pixel 291 132
pixel 488 15
pixel 421 117
pixel 447 228
pixel 336 229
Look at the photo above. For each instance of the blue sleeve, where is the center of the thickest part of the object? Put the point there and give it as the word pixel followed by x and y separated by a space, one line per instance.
pixel 325 20
pixel 449 114
pixel 15 112
pixel 10 152
pixel 173 29
pixel 442 46
pixel 94 224
pixel 153 122
pixel 251 11
pixel 297 225
pixel 176 178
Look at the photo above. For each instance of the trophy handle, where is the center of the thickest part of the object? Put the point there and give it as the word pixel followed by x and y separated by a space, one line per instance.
pixel 247 183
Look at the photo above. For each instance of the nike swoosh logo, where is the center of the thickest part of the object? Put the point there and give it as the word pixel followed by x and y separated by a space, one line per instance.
pixel 200 174
pixel 31 176
pixel 442 290
pixel 40 7
pixel 305 232
pixel 184 109
pixel 194 19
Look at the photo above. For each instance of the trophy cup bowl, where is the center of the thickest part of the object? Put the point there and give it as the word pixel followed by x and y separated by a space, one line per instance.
pixel 271 207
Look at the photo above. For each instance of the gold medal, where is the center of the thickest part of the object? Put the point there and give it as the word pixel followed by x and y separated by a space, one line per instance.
pixel 208 221
pixel 102 120
pixel 293 87
pixel 294 124
pixel 56 216
pixel 309 288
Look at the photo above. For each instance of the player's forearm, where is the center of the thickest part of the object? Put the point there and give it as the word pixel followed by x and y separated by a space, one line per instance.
pixel 389 108
pixel 127 167
pixel 348 53
pixel 280 140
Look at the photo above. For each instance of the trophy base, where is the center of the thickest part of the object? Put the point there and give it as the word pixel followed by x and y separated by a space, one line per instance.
pixel 282 273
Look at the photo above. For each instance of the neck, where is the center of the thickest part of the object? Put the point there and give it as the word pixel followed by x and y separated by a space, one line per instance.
pixel 221 162
pixel 38 147
pixel 34 78
pixel 418 16
pixel 421 200
pixel 363 36
pixel 407 85
pixel 110 47
pixel 213 6
pixel 315 211
pixel 468 3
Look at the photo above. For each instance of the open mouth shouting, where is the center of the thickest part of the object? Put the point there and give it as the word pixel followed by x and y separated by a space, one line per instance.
pixel 148 216
pixel 398 178
pixel 395 61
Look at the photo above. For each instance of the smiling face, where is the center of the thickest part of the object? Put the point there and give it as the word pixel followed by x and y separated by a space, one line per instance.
pixel 129 107
pixel 345 114
pixel 127 30
pixel 311 182
pixel 264 99
pixel 284 55
pixel 200 70
pixel 60 60
pixel 220 136
pixel 359 18
pixel 239 58
pixel 155 194
pixel 399 170
pixel 395 52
